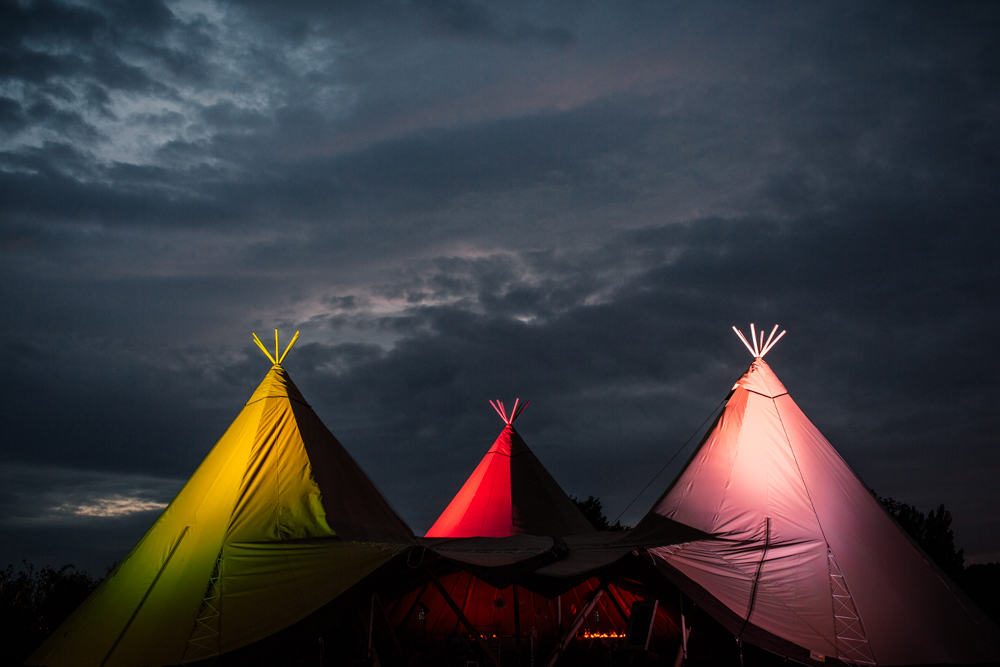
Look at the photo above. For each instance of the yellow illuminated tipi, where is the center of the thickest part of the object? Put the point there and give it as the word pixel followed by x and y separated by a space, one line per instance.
pixel 277 521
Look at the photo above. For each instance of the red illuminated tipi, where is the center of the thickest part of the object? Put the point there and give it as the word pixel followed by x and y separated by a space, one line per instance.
pixel 804 560
pixel 510 492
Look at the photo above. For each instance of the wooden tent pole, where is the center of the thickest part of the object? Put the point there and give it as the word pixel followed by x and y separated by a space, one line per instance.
pixel 517 612
pixel 465 621
pixel 263 349
pixel 575 625
pixel 614 600
pixel 364 627
pixel 392 633
pixel 517 620
pixel 409 612
pixel 371 618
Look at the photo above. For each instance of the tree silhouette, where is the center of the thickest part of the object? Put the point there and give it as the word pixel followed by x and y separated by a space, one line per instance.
pixel 591 508
pixel 32 605
pixel 932 533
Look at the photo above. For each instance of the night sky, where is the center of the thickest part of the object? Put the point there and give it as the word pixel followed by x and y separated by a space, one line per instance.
pixel 454 201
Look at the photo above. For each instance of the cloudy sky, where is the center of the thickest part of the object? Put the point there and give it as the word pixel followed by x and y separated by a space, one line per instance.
pixel 456 201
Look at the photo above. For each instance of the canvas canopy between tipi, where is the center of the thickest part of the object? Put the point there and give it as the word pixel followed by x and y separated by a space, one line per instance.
pixel 804 555
pixel 277 521
pixel 510 515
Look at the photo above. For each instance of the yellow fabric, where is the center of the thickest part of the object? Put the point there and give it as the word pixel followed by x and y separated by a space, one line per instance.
pixel 244 550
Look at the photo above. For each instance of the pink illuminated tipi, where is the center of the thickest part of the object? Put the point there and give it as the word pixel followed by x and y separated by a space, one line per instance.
pixel 804 560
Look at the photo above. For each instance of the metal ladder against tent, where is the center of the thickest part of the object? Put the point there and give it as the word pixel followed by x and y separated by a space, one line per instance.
pixel 204 640
pixel 852 642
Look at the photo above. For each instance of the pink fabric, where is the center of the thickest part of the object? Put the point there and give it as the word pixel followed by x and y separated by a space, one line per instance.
pixel 765 460
pixel 760 379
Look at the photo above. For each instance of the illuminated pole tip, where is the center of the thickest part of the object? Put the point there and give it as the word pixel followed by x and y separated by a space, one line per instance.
pixel 760 347
pixel 294 338
pixel 502 411
pixel 496 406
pixel 263 349
pixel 276 359
pixel 765 346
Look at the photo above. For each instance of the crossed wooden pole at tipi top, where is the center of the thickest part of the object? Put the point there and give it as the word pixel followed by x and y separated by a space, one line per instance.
pixel 514 413
pixel 276 360
pixel 761 348
pixel 758 350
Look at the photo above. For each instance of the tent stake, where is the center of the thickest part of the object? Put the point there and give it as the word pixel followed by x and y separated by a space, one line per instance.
pixel 575 625
pixel 465 621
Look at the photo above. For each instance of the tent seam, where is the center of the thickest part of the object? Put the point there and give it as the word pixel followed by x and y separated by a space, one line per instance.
pixel 732 465
pixel 232 510
pixel 275 451
pixel 145 597
pixel 798 468
pixel 493 481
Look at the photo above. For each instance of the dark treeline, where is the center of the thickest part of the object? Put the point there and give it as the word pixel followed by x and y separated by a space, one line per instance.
pixel 932 533
pixel 33 602
pixel 592 509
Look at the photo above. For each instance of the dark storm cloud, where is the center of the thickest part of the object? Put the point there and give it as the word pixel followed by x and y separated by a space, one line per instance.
pixel 461 201
pixel 656 345
pixel 90 517
pixel 427 19
pixel 30 28
pixel 659 348
pixel 413 175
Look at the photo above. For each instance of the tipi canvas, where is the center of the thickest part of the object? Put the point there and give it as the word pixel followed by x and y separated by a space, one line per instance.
pixel 510 492
pixel 804 560
pixel 277 521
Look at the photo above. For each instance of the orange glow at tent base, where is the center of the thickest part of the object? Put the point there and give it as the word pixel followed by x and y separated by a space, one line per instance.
pixel 587 634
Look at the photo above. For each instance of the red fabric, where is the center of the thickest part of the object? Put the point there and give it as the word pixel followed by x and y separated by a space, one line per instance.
pixel 491 611
pixel 482 508
pixel 510 492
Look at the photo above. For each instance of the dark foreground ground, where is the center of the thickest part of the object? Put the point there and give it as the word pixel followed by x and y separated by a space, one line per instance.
pixel 34 602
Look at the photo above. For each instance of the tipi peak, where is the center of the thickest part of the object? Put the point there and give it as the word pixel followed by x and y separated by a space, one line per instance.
pixel 759 348
pixel 514 413
pixel 760 379
pixel 276 359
